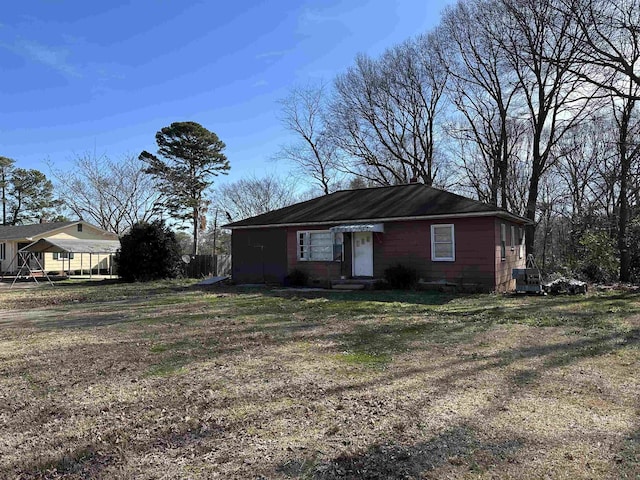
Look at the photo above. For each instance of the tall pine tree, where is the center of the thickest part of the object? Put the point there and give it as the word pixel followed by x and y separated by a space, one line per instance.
pixel 188 158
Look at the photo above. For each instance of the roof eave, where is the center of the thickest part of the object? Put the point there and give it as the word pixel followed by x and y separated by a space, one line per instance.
pixel 493 213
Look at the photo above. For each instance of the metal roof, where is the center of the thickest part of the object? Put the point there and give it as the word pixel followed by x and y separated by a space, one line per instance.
pixel 373 205
pixel 73 246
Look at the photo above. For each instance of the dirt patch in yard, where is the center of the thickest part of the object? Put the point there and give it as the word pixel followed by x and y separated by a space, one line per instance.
pixel 168 381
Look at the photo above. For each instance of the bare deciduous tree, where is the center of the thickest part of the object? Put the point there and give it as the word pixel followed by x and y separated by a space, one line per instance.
pixel 628 128
pixel 314 154
pixel 384 114
pixel 252 196
pixel 113 195
pixel 541 45
pixel 6 165
pixel 483 88
pixel 609 36
pixel 610 43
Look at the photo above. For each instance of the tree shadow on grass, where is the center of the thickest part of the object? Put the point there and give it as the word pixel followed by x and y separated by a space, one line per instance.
pixel 81 316
pixel 459 446
pixel 379 296
pixel 629 456
pixel 390 461
pixel 553 356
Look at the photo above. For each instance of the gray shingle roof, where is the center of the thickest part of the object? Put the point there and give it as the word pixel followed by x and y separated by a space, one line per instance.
pixel 402 201
pixel 18 232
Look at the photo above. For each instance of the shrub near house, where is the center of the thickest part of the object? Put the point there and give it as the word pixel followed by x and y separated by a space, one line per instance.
pixel 149 251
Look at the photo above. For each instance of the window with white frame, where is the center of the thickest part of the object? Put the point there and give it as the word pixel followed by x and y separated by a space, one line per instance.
pixel 521 243
pixel 3 251
pixel 62 256
pixel 315 245
pixel 503 241
pixel 443 245
pixel 513 238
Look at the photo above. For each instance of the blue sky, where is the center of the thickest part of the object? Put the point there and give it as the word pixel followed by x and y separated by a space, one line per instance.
pixel 105 76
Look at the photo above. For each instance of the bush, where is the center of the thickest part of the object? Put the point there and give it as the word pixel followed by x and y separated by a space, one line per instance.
pixel 381 284
pixel 598 262
pixel 149 251
pixel 401 277
pixel 297 278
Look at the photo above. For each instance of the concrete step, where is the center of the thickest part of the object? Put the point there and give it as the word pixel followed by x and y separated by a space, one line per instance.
pixel 348 286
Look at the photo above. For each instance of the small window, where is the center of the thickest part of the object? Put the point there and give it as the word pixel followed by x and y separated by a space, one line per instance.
pixel 62 256
pixel 443 248
pixel 503 241
pixel 513 238
pixel 3 251
pixel 79 227
pixel 315 246
pixel 521 246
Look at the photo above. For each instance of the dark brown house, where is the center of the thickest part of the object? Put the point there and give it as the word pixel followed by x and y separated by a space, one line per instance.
pixel 360 233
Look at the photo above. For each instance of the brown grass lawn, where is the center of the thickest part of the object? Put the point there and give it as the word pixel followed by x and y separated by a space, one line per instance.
pixel 166 380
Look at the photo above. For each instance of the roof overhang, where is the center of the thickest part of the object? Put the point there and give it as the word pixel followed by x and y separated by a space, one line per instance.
pixel 359 227
pixel 499 213
pixel 73 246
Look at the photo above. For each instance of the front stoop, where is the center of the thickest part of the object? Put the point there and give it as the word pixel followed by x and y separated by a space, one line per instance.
pixel 348 286
pixel 353 284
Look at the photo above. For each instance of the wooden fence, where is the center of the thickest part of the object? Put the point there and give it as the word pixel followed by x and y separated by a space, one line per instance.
pixel 201 266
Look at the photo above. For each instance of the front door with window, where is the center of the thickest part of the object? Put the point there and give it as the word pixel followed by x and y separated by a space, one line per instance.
pixel 362 254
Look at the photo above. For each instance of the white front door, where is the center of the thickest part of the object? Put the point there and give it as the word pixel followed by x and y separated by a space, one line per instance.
pixel 362 254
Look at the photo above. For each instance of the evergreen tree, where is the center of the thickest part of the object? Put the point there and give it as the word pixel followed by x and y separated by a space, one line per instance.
pixel 189 156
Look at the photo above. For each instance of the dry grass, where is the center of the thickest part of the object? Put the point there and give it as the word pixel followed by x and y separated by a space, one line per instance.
pixel 168 381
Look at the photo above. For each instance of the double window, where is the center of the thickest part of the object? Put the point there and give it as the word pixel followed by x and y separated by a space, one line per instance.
pixel 62 255
pixel 315 245
pixel 443 243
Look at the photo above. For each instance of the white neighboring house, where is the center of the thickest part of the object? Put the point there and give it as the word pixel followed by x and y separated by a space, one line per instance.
pixel 61 246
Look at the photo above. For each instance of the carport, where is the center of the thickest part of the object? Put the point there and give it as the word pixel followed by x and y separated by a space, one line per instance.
pixel 67 246
pixel 75 246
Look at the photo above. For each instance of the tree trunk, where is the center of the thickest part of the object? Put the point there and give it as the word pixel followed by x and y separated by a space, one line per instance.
pixel 495 181
pixel 504 158
pixel 4 198
pixel 196 227
pixel 532 201
pixel 623 216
